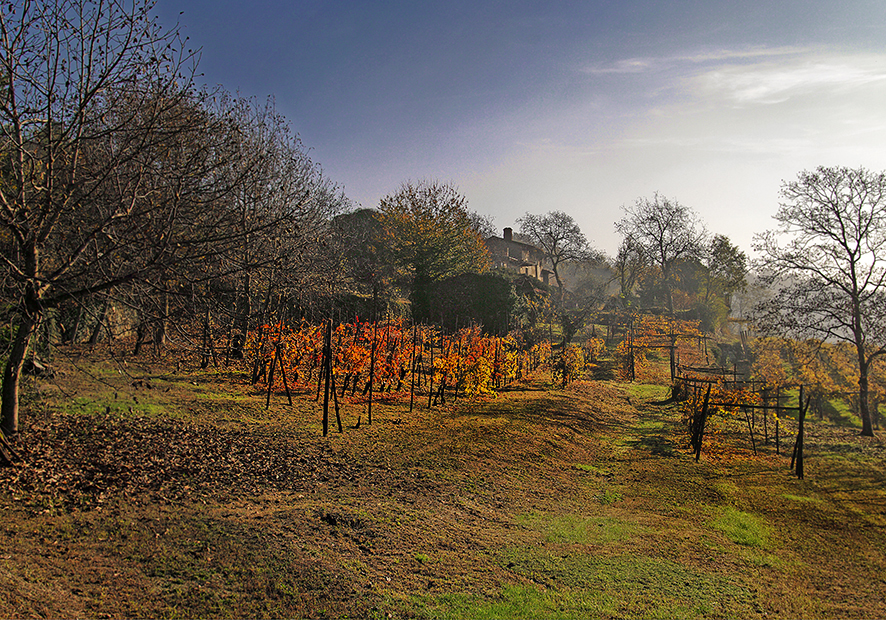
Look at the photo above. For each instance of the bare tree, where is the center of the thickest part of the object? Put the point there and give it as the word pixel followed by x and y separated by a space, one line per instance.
pixel 828 255
pixel 283 208
pixel 483 224
pixel 559 237
pixel 93 101
pixel 628 266
pixel 665 233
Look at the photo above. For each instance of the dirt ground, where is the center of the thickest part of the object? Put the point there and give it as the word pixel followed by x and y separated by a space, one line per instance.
pixel 146 492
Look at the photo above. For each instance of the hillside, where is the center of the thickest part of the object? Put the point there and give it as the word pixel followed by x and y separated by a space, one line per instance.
pixel 153 493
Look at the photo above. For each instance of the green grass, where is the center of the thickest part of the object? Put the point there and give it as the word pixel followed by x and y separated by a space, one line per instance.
pixel 551 537
pixel 579 585
pixel 591 469
pixel 802 499
pixel 88 406
pixel 650 435
pixel 647 392
pixel 568 528
pixel 836 410
pixel 521 602
pixel 607 496
pixel 839 412
pixel 742 528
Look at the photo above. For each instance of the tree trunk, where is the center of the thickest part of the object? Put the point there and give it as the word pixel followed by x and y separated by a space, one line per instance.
pixel 12 374
pixel 99 323
pixel 204 360
pixel 139 335
pixel 421 297
pixel 559 282
pixel 864 410
pixel 243 312
pixel 668 287
pixel 160 327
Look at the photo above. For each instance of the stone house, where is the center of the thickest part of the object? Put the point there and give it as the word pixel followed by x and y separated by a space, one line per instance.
pixel 505 253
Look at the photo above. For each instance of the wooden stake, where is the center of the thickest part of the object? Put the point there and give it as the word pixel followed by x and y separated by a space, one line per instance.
pixel 750 431
pixel 371 371
pixel 412 386
pixel 283 372
pixel 704 417
pixel 327 372
pixel 271 378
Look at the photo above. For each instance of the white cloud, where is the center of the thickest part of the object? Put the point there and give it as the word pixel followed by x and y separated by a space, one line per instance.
pixel 658 63
pixel 699 127
pixel 628 65
pixel 746 54
pixel 769 83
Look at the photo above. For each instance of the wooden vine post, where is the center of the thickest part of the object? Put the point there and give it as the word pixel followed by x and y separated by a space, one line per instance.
pixel 699 424
pixel 412 365
pixel 747 417
pixel 673 351
pixel 797 457
pixel 327 374
pixel 279 358
pixel 321 371
pixel 271 378
pixel 258 357
pixel 777 442
pixel 631 349
pixel 372 354
pixel 332 379
pixel 431 373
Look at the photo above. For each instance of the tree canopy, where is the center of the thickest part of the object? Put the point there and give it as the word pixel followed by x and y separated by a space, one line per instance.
pixel 120 178
pixel 430 234
pixel 726 267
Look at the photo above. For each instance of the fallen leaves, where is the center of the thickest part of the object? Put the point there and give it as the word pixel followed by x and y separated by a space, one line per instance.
pixel 80 461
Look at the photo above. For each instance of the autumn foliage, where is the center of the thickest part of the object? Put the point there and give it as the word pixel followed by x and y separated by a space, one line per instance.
pixel 400 357
pixel 650 337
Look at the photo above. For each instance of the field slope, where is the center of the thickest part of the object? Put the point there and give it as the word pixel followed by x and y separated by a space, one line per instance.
pixel 180 495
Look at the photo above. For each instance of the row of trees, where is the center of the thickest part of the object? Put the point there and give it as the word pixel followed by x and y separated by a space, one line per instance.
pixel 667 253
pixel 122 182
pixel 126 189
pixel 822 270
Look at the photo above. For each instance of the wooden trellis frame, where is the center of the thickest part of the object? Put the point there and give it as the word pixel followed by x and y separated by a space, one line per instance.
pixel 699 417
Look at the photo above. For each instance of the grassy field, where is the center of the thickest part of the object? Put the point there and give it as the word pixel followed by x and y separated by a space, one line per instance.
pixel 150 493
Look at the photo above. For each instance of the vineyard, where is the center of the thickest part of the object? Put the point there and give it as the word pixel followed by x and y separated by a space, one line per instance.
pixel 194 422
pixel 355 361
pixel 393 356
pixel 355 364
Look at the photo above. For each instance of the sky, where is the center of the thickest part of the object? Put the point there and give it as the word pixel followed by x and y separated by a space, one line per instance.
pixel 580 106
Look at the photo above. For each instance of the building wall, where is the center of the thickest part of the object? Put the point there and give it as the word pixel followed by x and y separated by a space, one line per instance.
pixel 516 256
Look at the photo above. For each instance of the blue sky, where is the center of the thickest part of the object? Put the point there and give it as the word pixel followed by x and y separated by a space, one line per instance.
pixel 574 106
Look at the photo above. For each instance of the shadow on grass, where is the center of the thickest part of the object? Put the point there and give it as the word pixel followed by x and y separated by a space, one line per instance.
pixel 840 413
pixel 652 438
pixel 604 370
pixel 654 432
pixel 563 409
